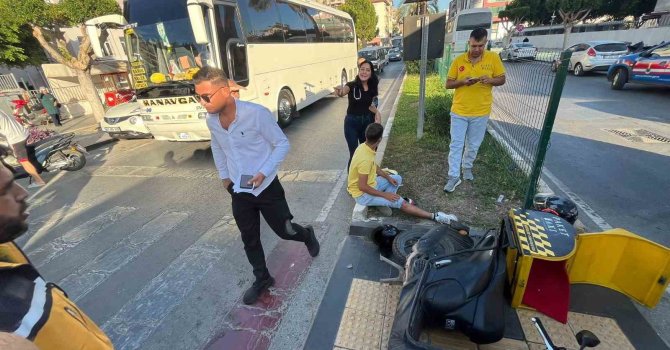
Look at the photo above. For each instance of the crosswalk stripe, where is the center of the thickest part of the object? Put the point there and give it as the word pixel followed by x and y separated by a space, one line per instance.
pixel 88 277
pixel 45 223
pixel 138 318
pixel 327 176
pixel 46 253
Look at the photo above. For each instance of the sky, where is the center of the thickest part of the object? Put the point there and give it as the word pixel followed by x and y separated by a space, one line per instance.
pixel 442 3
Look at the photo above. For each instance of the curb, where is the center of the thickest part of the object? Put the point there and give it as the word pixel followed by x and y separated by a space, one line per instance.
pixel 359 221
pixel 100 144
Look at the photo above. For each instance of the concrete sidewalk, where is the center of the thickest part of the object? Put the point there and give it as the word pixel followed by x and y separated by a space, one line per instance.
pixel 86 129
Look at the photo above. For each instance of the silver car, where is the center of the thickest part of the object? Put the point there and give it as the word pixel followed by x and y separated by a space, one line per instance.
pixel 516 51
pixel 595 56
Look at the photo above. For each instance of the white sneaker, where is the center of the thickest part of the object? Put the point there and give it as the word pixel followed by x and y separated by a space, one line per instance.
pixel 444 218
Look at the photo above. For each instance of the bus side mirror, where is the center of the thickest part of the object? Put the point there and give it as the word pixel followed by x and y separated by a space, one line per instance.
pixel 197 19
pixel 93 30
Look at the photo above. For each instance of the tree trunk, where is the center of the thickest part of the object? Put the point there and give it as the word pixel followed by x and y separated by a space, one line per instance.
pixel 566 33
pixel 87 86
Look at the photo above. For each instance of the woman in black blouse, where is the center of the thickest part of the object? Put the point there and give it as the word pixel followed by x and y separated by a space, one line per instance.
pixel 362 109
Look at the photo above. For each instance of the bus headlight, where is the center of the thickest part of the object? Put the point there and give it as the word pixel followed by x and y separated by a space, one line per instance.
pixel 202 115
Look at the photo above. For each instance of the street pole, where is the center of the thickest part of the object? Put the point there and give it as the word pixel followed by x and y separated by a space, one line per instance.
pixel 423 64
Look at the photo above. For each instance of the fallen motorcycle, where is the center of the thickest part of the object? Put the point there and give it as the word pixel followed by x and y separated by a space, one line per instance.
pixel 450 284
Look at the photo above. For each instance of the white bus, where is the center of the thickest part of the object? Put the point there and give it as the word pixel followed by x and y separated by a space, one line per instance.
pixel 459 28
pixel 286 54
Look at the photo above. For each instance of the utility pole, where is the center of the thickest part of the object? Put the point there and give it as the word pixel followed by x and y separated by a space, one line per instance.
pixel 423 64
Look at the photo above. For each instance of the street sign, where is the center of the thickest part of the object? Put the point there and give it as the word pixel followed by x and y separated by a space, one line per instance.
pixel 520 27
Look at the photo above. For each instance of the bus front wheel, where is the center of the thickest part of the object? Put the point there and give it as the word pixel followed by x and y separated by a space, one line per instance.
pixel 286 109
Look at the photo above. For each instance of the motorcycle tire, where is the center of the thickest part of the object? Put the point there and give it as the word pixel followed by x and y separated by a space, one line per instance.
pixel 78 161
pixel 450 243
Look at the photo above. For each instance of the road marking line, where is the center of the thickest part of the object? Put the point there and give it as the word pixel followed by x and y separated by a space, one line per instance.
pixel 43 188
pixel 325 210
pixel 143 314
pixel 48 221
pixel 60 245
pixel 88 277
pixel 581 204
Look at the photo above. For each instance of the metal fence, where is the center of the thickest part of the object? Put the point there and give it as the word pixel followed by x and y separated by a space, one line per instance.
pixel 524 110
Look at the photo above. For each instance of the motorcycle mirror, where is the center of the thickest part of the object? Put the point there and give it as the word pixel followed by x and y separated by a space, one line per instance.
pixel 586 339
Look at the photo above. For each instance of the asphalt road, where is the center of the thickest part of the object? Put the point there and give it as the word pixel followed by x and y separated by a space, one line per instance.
pixel 143 238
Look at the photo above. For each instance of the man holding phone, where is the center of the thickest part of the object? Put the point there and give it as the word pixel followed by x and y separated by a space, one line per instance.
pixel 473 75
pixel 248 146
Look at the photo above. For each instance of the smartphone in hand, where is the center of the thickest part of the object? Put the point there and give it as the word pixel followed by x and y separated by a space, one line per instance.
pixel 245 182
pixel 375 101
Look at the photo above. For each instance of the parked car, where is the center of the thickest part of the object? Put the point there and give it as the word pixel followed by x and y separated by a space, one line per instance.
pixel 516 51
pixel 375 55
pixel 125 122
pixel 593 56
pixel 647 67
pixel 395 55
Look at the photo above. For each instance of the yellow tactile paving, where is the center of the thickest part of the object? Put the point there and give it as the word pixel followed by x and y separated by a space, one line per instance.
pixel 370 309
pixel 505 344
pixel 392 297
pixel 561 334
pixel 386 331
pixel 606 329
pixel 368 296
pixel 360 330
pixel 450 340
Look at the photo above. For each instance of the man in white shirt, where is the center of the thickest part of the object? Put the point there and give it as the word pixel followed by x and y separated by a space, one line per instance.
pixel 16 136
pixel 248 146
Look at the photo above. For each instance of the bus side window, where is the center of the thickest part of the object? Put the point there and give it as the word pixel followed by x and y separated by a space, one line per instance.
pixel 311 27
pixel 261 21
pixel 294 26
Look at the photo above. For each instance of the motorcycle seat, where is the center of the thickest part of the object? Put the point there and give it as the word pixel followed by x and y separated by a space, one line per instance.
pixel 454 284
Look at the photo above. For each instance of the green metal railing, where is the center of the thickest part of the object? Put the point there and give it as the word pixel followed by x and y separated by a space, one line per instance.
pixel 523 114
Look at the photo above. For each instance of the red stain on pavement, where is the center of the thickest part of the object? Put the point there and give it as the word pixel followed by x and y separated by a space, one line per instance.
pixel 250 327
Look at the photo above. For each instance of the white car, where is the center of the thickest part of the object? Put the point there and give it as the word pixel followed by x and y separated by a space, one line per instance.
pixel 592 56
pixel 125 122
pixel 518 51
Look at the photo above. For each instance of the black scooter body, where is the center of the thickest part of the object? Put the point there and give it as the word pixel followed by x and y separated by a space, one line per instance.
pixel 466 294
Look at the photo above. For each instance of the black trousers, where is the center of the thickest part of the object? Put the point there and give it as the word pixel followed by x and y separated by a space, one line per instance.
pixel 272 204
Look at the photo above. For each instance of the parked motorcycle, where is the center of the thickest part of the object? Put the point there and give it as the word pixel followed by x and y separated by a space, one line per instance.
pixel 57 152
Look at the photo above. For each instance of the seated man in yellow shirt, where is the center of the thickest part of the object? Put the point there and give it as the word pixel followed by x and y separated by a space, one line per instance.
pixel 373 187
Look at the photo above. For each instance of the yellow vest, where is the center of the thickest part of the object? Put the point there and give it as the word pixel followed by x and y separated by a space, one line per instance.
pixel 41 312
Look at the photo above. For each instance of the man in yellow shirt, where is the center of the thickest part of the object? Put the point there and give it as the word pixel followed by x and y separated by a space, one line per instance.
pixel 373 187
pixel 473 75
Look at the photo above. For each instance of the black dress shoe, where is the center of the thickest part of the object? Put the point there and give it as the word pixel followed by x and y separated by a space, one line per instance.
pixel 312 244
pixel 254 292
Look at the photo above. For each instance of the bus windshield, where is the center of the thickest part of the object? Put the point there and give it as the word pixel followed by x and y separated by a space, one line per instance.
pixel 160 43
pixel 471 21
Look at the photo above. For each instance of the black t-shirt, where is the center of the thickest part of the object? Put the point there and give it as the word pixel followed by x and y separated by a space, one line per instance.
pixel 359 99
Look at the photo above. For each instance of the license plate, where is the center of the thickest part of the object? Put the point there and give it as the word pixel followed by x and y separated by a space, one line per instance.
pixel 111 129
pixel 184 136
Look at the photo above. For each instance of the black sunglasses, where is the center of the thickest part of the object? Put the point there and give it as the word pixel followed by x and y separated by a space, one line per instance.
pixel 208 97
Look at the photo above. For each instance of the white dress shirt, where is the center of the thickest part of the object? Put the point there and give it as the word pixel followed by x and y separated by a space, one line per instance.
pixel 11 129
pixel 253 143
